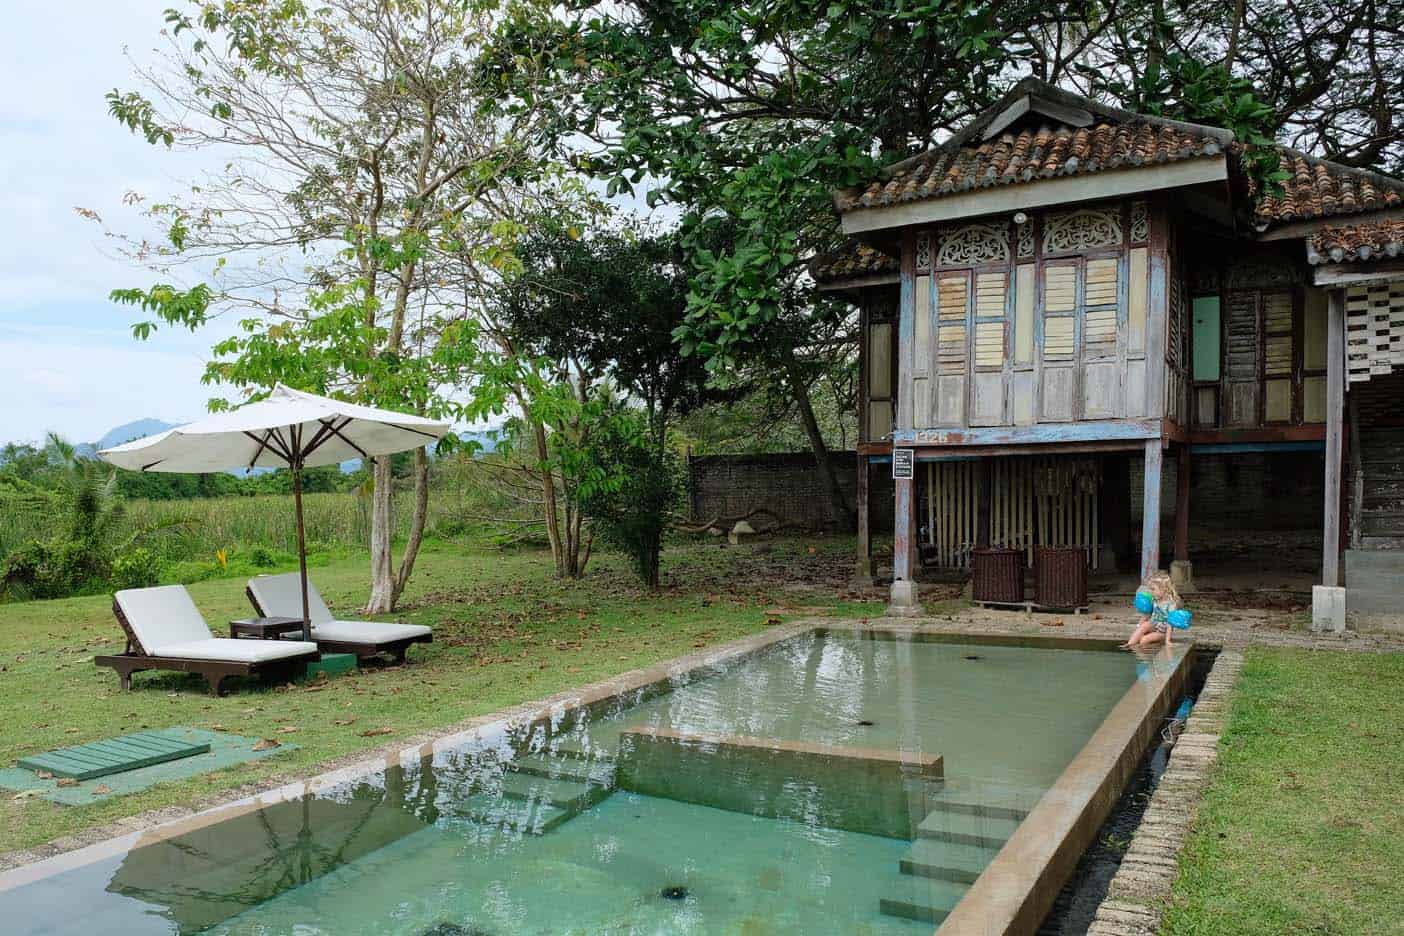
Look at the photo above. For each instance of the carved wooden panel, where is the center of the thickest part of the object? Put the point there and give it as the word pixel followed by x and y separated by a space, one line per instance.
pixel 973 244
pixel 923 252
pixel 1025 240
pixel 1081 230
pixel 1140 223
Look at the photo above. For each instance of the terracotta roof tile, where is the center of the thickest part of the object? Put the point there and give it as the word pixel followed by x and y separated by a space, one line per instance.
pixel 1375 240
pixel 1031 154
pixel 1317 188
pixel 852 261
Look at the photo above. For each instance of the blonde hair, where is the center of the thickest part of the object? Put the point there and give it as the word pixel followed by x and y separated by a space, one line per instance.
pixel 1162 589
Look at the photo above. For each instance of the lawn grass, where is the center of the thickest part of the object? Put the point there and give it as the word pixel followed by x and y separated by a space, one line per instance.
pixel 1302 829
pixel 504 631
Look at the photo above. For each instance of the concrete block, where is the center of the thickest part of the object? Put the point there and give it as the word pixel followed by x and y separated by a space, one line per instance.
pixel 742 532
pixel 1182 575
pixel 1328 608
pixel 903 601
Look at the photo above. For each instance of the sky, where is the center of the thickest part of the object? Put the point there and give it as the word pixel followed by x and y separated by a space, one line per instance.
pixel 67 359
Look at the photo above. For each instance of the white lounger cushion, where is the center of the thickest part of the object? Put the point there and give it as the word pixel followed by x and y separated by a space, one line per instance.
pixel 235 651
pixel 365 632
pixel 162 615
pixel 281 596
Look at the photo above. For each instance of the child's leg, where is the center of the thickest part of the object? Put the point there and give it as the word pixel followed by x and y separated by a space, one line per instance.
pixel 1154 637
pixel 1136 635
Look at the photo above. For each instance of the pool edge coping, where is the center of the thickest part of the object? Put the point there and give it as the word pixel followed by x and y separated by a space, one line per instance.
pixel 1137 894
pixel 1016 890
pixel 486 727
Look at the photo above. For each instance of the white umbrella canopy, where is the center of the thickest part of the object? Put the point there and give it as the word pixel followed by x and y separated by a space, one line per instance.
pixel 289 429
pixel 288 426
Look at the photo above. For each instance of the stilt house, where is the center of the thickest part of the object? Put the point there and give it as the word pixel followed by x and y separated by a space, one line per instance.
pixel 1066 301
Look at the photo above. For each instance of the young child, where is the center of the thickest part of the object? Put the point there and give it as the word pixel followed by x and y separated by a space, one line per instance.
pixel 1155 626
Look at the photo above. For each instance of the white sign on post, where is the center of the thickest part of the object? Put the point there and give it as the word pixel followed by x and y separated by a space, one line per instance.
pixel 903 464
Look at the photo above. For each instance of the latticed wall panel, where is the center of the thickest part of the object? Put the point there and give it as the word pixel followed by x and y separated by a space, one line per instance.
pixel 1374 329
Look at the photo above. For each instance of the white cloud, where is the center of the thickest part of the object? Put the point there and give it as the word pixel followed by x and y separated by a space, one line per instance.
pixel 83 390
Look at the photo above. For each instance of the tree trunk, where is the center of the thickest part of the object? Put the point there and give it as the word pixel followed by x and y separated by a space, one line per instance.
pixel 382 535
pixel 417 521
pixel 843 513
pixel 548 496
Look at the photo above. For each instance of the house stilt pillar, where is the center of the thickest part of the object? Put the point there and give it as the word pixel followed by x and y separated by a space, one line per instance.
pixel 1328 600
pixel 903 601
pixel 1150 509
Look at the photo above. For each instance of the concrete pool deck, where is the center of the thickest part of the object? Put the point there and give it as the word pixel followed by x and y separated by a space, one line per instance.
pixel 1078 800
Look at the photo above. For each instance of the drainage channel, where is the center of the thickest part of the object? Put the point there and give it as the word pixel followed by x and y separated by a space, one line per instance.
pixel 1077 902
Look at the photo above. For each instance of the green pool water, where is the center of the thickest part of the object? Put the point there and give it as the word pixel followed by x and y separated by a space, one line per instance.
pixel 532 833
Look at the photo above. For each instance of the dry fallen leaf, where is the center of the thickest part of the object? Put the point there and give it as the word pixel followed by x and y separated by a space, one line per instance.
pixel 43 775
pixel 344 721
pixel 287 729
pixel 266 744
pixel 23 795
pixel 372 732
pixel 70 731
pixel 102 788
pixel 218 728
pixel 66 781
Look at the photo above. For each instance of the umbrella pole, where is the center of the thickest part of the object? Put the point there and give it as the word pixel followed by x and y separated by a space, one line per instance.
pixel 301 547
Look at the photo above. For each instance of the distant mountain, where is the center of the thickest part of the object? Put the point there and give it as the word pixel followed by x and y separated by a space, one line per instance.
pixel 138 429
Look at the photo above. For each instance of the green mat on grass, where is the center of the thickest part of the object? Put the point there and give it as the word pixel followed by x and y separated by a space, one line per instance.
pixel 225 751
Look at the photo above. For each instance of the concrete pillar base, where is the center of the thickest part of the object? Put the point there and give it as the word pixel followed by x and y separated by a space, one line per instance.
pixel 1328 608
pixel 1182 575
pixel 903 601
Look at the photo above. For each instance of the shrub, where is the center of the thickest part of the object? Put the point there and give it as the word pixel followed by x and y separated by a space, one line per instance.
pixel 138 567
pixel 629 488
pixel 261 557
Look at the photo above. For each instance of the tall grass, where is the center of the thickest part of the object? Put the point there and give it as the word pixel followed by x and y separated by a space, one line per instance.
pixel 196 528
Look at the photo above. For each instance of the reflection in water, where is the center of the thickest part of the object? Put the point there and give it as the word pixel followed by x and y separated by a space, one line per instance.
pixel 540 829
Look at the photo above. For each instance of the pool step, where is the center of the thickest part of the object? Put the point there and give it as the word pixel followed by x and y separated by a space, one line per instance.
pixel 599 771
pixel 968 828
pixel 919 898
pixel 521 816
pixel 564 794
pixel 947 861
pixel 981 798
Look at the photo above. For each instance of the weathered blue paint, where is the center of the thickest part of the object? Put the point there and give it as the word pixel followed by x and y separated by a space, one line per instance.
pixel 1150 509
pixel 1157 316
pixel 1040 434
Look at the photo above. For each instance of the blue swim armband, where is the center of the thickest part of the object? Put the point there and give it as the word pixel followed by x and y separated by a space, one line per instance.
pixel 1144 602
pixel 1179 619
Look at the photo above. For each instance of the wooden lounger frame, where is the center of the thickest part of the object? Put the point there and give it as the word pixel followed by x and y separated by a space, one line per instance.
pixel 396 648
pixel 135 659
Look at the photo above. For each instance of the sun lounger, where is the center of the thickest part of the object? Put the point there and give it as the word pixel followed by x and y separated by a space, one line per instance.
pixel 281 596
pixel 165 631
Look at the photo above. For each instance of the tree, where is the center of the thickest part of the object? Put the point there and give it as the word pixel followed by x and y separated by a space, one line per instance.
pixel 585 318
pixel 366 204
pixel 747 117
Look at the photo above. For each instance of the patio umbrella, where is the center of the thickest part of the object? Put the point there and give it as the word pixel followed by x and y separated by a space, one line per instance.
pixel 290 429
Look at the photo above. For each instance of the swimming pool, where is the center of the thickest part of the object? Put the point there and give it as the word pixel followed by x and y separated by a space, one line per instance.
pixel 834 781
